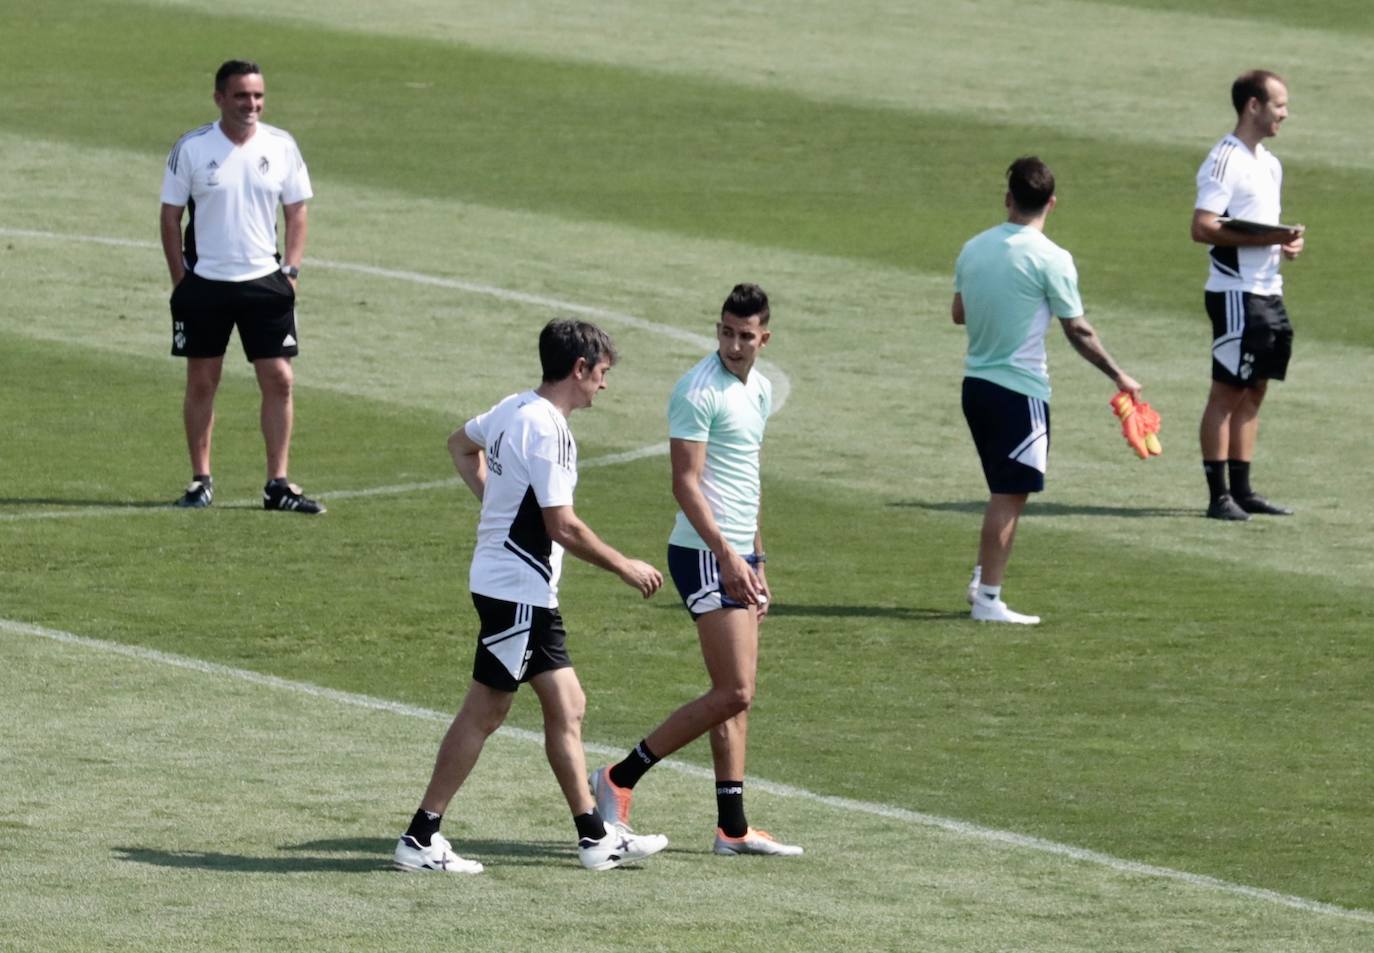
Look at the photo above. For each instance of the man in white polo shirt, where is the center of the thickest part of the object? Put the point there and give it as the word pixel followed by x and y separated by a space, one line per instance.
pixel 226 271
pixel 1252 339
pixel 1008 282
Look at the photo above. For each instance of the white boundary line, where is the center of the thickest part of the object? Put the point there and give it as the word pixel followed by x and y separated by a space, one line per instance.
pixel 782 385
pixel 847 805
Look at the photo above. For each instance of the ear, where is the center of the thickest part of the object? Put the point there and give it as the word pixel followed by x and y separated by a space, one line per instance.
pixel 1006 200
pixel 580 368
pixel 1049 206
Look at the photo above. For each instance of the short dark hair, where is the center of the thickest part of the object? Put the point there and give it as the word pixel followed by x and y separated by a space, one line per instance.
pixel 564 340
pixel 1031 183
pixel 745 301
pixel 1252 85
pixel 234 68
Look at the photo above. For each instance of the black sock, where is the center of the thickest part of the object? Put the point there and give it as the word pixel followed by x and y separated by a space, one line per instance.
pixel 730 808
pixel 627 773
pixel 1240 478
pixel 1216 478
pixel 203 478
pixel 590 825
pixel 424 825
pixel 278 481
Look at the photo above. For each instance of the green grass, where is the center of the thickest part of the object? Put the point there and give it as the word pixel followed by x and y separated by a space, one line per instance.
pixel 1197 698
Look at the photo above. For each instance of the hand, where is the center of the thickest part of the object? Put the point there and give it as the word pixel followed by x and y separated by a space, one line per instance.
pixel 1130 385
pixel 640 575
pixel 738 580
pixel 765 595
pixel 1293 248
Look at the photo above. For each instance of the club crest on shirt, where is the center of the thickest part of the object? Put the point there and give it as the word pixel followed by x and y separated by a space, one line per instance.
pixel 213 170
pixel 263 165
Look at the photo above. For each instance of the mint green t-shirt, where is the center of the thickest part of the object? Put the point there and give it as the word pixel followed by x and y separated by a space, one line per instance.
pixel 1012 280
pixel 710 405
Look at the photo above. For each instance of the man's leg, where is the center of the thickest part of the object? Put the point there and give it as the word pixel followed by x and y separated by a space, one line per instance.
pixel 729 645
pixel 482 712
pixel 1229 420
pixel 198 408
pixel 1000 519
pixel 276 380
pixel 564 705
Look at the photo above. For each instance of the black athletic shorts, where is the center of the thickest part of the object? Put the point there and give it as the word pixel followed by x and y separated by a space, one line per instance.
pixel 205 311
pixel 1252 339
pixel 516 643
pixel 1012 434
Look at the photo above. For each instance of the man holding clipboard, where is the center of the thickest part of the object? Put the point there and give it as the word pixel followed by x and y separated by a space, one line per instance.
pixel 1237 215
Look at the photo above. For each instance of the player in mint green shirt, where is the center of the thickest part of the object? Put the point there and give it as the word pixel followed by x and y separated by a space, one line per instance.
pixel 716 418
pixel 1008 283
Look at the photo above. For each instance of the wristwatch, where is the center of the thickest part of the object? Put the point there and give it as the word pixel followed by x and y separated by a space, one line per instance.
pixel 291 271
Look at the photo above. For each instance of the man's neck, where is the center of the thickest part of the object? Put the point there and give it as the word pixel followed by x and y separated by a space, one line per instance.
pixel 237 135
pixel 1251 137
pixel 559 396
pixel 1035 220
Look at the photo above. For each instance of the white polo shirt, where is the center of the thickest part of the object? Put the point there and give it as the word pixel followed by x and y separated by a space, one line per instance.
pixel 531 464
pixel 1238 183
pixel 233 192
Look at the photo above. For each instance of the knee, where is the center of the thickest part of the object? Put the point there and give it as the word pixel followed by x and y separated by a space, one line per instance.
pixel 276 380
pixel 733 700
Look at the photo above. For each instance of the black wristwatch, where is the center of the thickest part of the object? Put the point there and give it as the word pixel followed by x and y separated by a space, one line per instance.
pixel 291 271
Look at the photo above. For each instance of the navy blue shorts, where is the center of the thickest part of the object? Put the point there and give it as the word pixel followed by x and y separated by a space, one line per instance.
pixel 1012 434
pixel 696 573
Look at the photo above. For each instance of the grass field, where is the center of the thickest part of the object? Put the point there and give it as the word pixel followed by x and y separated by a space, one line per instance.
pixel 1176 760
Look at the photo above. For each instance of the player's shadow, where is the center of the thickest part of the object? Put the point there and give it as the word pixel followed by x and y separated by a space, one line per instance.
pixel 1034 509
pixel 343 855
pixel 906 613
pixel 98 504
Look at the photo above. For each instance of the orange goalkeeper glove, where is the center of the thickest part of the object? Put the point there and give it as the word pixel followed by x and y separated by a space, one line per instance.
pixel 1139 424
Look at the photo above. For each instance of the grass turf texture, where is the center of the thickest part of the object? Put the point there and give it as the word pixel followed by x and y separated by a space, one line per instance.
pixel 1186 724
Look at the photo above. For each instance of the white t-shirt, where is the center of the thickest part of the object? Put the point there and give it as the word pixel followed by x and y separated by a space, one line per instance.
pixel 233 192
pixel 1237 183
pixel 531 464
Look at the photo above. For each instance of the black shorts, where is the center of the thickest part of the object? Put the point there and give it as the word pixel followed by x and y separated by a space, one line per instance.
pixel 696 574
pixel 204 312
pixel 516 642
pixel 1012 434
pixel 1252 339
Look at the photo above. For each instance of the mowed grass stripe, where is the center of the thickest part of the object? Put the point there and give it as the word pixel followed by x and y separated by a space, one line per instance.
pixel 843 805
pixel 1148 72
pixel 694 157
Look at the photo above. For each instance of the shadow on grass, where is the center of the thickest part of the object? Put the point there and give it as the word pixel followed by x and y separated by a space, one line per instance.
pixel 910 614
pixel 99 504
pixel 346 855
pixel 1034 508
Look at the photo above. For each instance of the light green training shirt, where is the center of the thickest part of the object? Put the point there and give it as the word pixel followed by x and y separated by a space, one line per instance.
pixel 1012 280
pixel 710 405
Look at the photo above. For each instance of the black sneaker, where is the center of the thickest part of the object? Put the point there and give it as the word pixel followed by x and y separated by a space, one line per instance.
pixel 197 496
pixel 280 495
pixel 1225 508
pixel 1254 503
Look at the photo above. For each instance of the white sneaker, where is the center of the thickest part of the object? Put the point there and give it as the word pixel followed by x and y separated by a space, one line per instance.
pixel 753 842
pixel 612 801
pixel 437 856
pixel 620 846
pixel 995 610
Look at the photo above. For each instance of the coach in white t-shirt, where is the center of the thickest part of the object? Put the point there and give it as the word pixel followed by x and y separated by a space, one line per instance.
pixel 519 458
pixel 1237 214
pixel 226 272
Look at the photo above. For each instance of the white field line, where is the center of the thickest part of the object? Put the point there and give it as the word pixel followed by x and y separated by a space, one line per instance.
pixel 846 805
pixel 782 385
pixel 396 489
